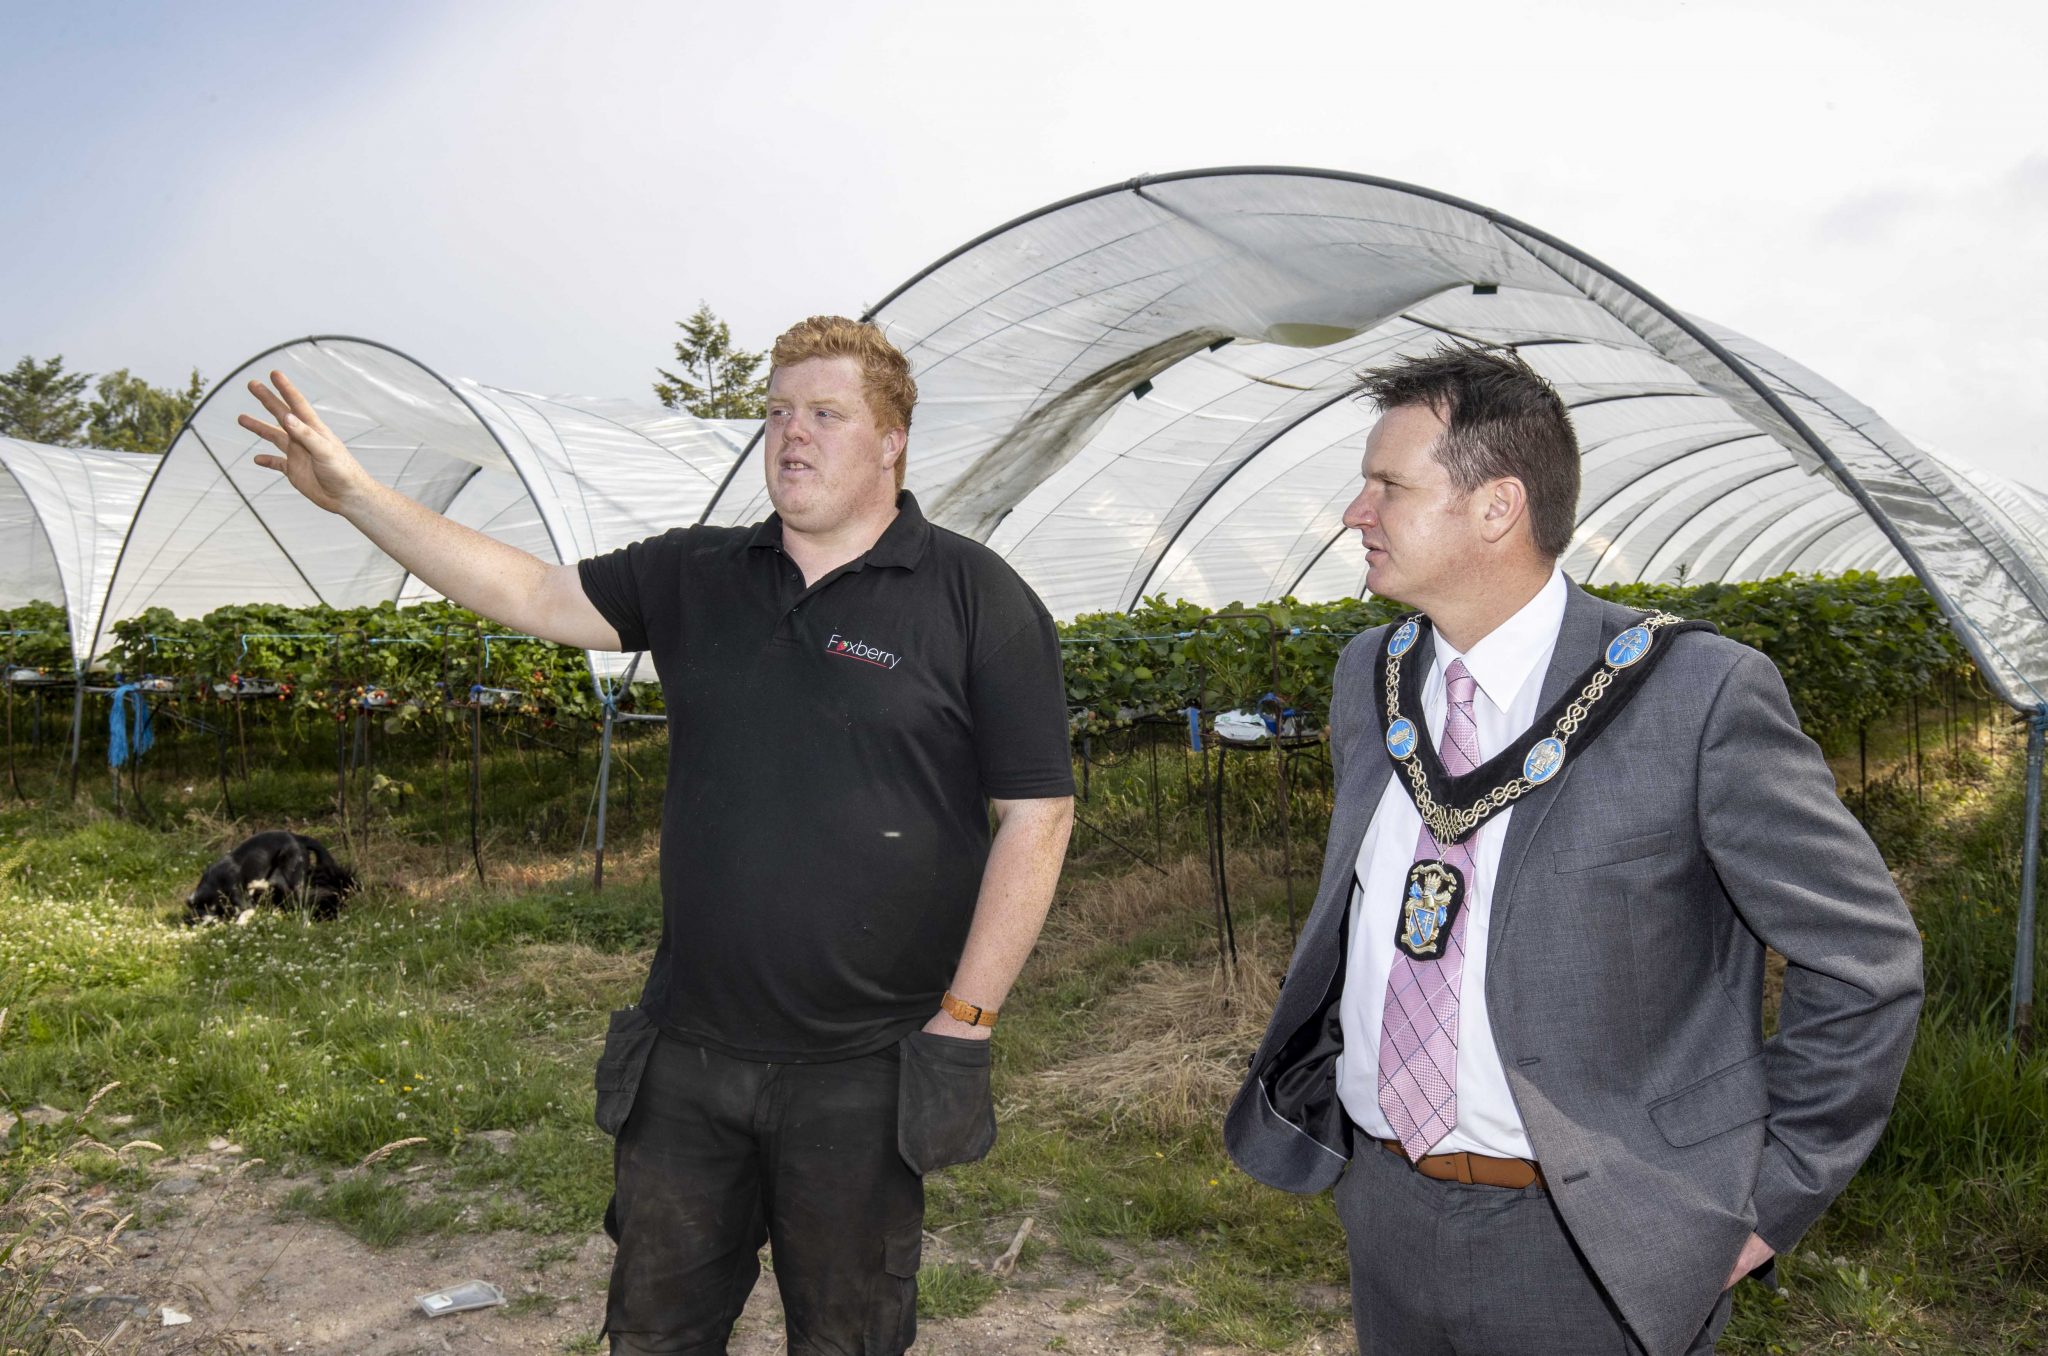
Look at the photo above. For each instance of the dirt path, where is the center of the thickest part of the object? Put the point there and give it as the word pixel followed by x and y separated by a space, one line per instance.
pixel 214 1245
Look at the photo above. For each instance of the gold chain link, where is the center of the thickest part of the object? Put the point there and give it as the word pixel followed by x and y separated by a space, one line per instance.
pixel 1448 825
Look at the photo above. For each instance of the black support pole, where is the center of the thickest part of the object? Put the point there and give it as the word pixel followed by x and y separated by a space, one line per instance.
pixel 2020 1018
pixel 1279 760
pixel 476 786
pixel 77 726
pixel 604 784
pixel 1158 835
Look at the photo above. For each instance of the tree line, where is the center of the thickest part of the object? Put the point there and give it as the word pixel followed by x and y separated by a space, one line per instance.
pixel 40 402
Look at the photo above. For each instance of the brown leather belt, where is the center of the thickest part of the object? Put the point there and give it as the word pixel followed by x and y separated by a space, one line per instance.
pixel 1471 1169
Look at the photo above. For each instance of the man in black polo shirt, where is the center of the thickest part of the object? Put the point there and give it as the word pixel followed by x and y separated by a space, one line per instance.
pixel 849 690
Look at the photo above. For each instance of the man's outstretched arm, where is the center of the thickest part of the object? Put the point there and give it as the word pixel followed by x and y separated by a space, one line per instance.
pixel 504 583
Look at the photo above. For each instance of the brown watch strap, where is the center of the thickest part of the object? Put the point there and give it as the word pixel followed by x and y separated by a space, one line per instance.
pixel 963 1011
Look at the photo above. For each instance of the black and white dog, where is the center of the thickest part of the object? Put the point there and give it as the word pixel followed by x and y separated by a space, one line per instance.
pixel 277 866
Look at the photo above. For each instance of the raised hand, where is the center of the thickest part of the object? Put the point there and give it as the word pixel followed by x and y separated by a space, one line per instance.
pixel 318 464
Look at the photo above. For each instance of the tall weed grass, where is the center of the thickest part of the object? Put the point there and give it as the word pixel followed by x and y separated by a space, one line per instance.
pixel 436 1008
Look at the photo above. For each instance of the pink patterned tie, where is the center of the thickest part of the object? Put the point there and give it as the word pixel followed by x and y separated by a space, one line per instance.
pixel 1418 1074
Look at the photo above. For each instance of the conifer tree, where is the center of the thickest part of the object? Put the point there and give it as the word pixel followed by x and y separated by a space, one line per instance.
pixel 39 402
pixel 716 380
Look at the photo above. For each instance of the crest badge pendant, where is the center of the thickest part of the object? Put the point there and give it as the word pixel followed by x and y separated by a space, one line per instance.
pixel 1429 906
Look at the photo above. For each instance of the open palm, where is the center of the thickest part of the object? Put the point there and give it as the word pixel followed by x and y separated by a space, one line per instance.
pixel 318 464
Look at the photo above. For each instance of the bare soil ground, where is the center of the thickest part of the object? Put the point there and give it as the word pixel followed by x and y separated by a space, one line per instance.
pixel 218 1246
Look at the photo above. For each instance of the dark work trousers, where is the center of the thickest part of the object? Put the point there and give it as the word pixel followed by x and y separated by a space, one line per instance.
pixel 1445 1269
pixel 718 1155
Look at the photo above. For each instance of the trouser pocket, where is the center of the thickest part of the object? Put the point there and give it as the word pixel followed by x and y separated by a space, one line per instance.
pixel 627 1044
pixel 892 1321
pixel 944 1111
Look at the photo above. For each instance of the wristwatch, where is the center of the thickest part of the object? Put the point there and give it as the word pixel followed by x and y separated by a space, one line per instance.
pixel 962 1011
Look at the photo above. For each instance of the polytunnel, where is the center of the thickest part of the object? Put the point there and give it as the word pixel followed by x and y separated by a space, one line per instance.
pixel 561 476
pixel 1144 389
pixel 64 512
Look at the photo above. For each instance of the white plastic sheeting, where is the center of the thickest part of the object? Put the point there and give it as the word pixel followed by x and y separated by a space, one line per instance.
pixel 1142 390
pixel 562 476
pixel 64 512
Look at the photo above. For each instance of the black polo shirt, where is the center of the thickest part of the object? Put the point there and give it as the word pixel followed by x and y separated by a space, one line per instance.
pixel 831 753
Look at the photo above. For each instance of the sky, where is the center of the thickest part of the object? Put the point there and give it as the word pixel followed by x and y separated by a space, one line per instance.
pixel 533 194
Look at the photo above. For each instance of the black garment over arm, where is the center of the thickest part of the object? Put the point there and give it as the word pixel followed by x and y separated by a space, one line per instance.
pixel 831 753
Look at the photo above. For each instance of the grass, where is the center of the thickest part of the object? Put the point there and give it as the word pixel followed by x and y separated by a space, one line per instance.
pixel 1941 1242
pixel 378 1211
pixel 46 1238
pixel 950 1290
pixel 437 1008
pixel 1125 1048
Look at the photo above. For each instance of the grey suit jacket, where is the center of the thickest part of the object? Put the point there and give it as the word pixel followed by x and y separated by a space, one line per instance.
pixel 1634 900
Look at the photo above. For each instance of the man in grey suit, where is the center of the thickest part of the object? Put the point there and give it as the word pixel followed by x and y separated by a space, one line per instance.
pixel 1564 834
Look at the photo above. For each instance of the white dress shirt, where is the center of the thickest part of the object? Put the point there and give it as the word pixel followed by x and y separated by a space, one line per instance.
pixel 1508 665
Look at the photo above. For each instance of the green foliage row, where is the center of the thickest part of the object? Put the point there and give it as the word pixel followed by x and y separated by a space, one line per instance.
pixel 1852 647
pixel 35 637
pixel 419 658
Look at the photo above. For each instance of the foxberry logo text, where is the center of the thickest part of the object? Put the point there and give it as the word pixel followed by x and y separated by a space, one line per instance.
pixel 861 650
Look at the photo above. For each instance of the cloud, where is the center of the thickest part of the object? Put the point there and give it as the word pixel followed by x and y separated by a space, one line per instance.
pixel 535 199
pixel 1868 218
pixel 2027 184
pixel 1930 319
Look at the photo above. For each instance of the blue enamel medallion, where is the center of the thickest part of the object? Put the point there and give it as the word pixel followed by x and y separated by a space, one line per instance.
pixel 1403 638
pixel 1401 738
pixel 1626 648
pixel 1544 760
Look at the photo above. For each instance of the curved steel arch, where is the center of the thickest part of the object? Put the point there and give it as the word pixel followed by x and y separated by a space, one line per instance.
pixel 2036 594
pixel 73 502
pixel 467 481
pixel 1637 479
pixel 1681 525
pixel 1812 537
pixel 1832 562
pixel 1316 559
pixel 1734 545
pixel 316 340
pixel 1258 450
pixel 1736 367
pixel 1777 556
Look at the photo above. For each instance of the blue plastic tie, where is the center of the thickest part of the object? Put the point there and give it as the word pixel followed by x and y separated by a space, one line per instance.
pixel 123 741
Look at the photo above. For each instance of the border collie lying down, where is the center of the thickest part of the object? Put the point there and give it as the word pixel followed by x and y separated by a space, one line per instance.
pixel 282 868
